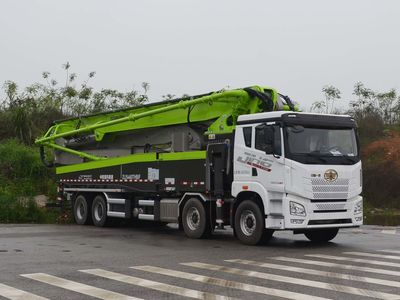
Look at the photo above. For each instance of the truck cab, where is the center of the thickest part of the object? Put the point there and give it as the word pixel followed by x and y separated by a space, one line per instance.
pixel 303 170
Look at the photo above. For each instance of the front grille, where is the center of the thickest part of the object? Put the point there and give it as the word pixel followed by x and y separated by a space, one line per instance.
pixel 339 181
pixel 330 189
pixel 329 222
pixel 330 211
pixel 329 195
pixel 323 189
pixel 330 206
pixel 327 200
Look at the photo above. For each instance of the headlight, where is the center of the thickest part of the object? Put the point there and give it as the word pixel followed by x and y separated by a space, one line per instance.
pixel 358 208
pixel 297 209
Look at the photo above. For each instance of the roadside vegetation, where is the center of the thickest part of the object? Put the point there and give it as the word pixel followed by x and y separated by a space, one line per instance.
pixel 25 113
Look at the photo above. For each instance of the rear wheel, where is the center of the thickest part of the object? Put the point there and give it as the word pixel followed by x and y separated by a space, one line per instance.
pixel 99 211
pixel 250 224
pixel 82 210
pixel 321 235
pixel 194 219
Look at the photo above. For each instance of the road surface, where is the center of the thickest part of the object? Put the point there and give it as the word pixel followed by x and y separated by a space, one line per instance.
pixel 125 262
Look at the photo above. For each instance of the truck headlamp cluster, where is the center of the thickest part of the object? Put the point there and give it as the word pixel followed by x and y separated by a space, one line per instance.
pixel 358 208
pixel 296 209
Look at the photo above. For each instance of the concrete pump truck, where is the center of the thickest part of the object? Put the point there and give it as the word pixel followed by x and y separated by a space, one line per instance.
pixel 246 158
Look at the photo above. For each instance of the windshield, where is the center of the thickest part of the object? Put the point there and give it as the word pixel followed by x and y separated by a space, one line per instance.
pixel 327 145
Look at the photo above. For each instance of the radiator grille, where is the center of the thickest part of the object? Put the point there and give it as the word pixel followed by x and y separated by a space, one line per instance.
pixel 339 181
pixel 330 206
pixel 323 189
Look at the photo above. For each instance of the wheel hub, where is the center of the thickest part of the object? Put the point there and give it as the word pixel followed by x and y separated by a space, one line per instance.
pixel 80 211
pixel 98 211
pixel 193 218
pixel 248 222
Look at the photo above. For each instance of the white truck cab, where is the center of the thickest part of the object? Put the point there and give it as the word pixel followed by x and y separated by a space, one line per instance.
pixel 304 168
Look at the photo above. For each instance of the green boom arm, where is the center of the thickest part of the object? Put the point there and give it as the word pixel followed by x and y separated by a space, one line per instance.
pixel 219 106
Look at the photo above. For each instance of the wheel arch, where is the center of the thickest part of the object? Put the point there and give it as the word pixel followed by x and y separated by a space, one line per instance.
pixel 242 196
pixel 203 199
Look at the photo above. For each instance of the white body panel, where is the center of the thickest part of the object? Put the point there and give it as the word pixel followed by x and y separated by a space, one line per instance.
pixel 278 181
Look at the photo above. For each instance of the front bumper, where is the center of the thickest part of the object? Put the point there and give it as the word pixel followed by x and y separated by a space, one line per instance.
pixel 323 213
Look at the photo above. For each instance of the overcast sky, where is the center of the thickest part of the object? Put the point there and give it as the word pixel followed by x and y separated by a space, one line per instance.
pixel 184 46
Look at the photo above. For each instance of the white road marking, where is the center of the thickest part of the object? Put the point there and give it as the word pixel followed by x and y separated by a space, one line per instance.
pixel 373 255
pixel 391 251
pixel 12 293
pixel 338 266
pixel 365 261
pixel 78 287
pixel 357 230
pixel 162 287
pixel 316 272
pixel 388 231
pixel 229 284
pixel 298 281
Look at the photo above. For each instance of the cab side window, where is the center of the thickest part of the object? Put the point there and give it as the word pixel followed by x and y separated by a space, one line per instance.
pixel 268 139
pixel 247 136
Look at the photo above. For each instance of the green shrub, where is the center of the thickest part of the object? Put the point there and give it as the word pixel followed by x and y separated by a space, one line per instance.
pixel 22 176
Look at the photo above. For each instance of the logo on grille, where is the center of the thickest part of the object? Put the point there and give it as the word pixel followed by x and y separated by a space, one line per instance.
pixel 330 175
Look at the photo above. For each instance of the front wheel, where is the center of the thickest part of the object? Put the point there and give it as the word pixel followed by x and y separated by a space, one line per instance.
pixel 321 235
pixel 250 224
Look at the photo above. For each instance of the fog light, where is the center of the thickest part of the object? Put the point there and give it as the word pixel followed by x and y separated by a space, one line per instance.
pixel 296 209
pixel 358 219
pixel 296 221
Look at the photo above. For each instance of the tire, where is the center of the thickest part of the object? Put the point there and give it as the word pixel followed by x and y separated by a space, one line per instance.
pixel 82 209
pixel 250 224
pixel 99 211
pixel 195 220
pixel 321 235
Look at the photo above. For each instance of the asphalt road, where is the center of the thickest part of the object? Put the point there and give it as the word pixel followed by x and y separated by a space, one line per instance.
pixel 84 262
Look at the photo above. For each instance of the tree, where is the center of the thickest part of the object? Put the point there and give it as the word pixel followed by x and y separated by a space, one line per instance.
pixel 365 99
pixel 168 97
pixel 331 94
pixel 388 106
pixel 26 113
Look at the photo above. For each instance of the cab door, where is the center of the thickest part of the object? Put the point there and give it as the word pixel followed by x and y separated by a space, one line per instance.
pixel 269 167
pixel 258 156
